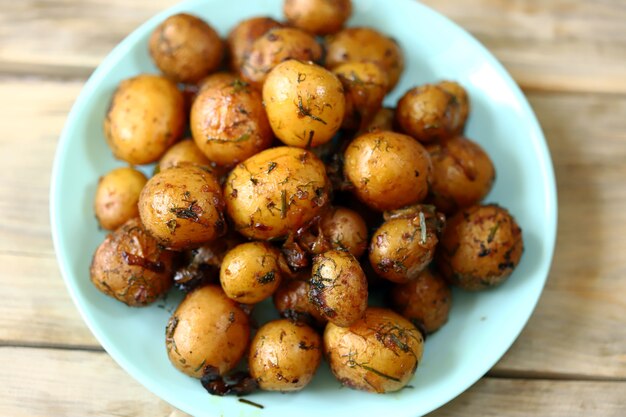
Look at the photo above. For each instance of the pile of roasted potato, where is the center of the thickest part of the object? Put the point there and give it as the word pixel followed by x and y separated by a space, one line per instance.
pixel 297 184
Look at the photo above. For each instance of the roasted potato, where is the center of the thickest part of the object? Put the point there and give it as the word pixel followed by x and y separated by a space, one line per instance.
pixel 305 103
pixel 388 170
pixel 208 332
pixel 184 152
pixel 460 97
pixel 217 79
pixel 379 353
pixel 182 207
pixel 320 17
pixel 338 287
pixel 361 44
pixel 117 196
pixel 146 116
pixel 345 229
pixel 276 192
pixel 284 355
pixel 382 120
pixel 131 266
pixel 480 247
pixel 292 302
pixel 186 48
pixel 242 36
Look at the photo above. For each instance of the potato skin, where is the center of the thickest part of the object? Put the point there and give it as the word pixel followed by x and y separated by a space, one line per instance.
pixel 186 48
pixel 381 121
pixel 463 174
pixel 184 152
pixel 338 287
pixel 276 46
pixel 284 355
pixel 379 353
pixel 460 97
pixel 276 192
pixel 117 196
pixel 292 302
pixel 182 207
pixel 250 272
pixel 388 170
pixel 229 123
pixel 207 329
pixel 131 266
pixel 359 44
pixel 146 116
pixel 424 301
pixel 480 247
pixel 345 229
pixel 243 35
pixel 305 103
pixel 320 17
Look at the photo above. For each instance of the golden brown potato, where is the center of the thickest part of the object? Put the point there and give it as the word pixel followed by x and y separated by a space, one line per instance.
pixel 117 196
pixel 429 113
pixel 365 85
pixel 320 17
pixel 184 152
pixel 208 332
pixel 242 36
pixel 217 79
pixel 305 103
pixel 338 287
pixel 229 123
pixel 480 247
pixel 291 300
pixel 146 116
pixel 276 46
pixel 460 96
pixel 379 353
pixel 388 170
pixel 276 192
pixel 366 45
pixel 182 207
pixel 284 355
pixel 462 174
pixel 131 266
pixel 382 120
pixel 425 301
pixel 345 229
pixel 250 272
pixel 186 48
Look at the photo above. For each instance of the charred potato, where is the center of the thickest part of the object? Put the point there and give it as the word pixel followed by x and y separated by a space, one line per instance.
pixel 291 300
pixel 305 103
pixel 338 287
pixel 379 353
pixel 117 196
pixel 276 192
pixel 146 116
pixel 131 266
pixel 284 355
pixel 242 36
pixel 320 17
pixel 345 229
pixel 182 207
pixel 480 247
pixel 208 332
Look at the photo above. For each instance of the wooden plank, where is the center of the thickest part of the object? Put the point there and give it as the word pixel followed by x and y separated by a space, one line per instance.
pixel 565 45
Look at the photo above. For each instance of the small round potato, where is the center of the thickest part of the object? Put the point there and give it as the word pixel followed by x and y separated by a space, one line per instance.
pixel 250 272
pixel 429 113
pixel 381 121
pixel 291 300
pixel 184 152
pixel 186 48
pixel 276 46
pixel 425 301
pixel 462 174
pixel 365 86
pixel 460 97
pixel 229 123
pixel 379 353
pixel 182 207
pixel 276 192
pixel 388 170
pixel 284 355
pixel 216 79
pixel 117 196
pixel 345 229
pixel 366 45
pixel 208 332
pixel 338 287
pixel 146 116
pixel 242 36
pixel 305 103
pixel 320 17
pixel 480 247
pixel 131 266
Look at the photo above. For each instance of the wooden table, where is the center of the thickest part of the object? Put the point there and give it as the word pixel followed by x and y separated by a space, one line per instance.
pixel 569 56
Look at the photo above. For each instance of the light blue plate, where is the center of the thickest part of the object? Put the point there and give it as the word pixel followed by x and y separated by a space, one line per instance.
pixel 481 327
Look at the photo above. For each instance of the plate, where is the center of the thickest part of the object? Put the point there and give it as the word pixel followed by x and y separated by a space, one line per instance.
pixel 482 326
